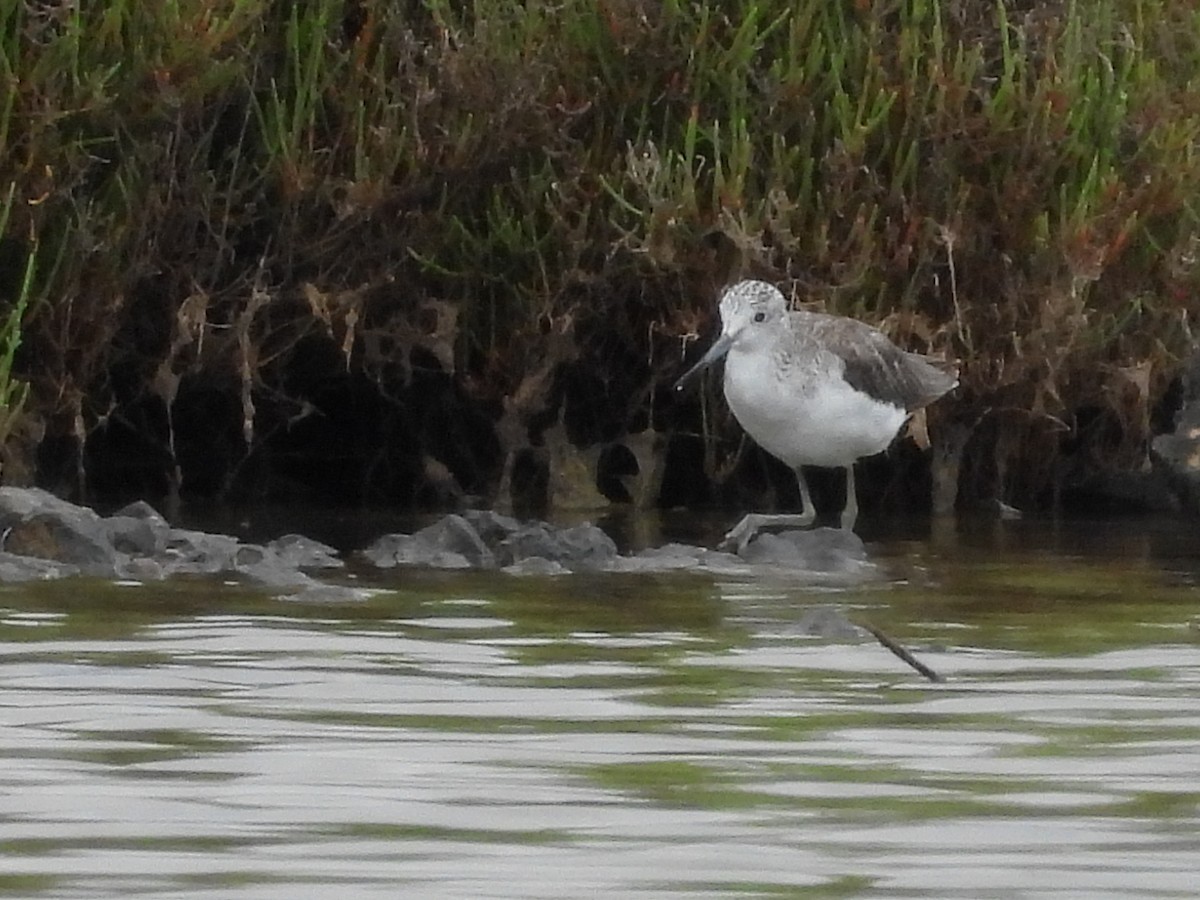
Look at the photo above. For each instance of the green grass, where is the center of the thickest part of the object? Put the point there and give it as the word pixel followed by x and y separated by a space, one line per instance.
pixel 199 188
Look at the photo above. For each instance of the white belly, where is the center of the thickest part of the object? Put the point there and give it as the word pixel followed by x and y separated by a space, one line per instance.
pixel 807 417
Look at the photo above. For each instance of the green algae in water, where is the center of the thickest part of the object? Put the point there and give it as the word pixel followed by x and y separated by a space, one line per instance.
pixel 1061 608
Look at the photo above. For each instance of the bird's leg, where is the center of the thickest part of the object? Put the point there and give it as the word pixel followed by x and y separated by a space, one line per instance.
pixel 805 496
pixel 850 511
pixel 741 533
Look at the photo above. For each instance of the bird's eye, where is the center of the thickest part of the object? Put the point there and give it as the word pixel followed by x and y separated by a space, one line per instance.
pixel 760 316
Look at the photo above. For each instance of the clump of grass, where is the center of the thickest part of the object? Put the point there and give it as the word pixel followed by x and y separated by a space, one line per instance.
pixel 1015 191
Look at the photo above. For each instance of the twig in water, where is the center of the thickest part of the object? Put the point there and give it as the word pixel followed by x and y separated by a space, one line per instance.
pixel 901 652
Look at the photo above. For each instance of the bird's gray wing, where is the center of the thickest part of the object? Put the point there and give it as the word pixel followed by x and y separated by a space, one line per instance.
pixel 876 366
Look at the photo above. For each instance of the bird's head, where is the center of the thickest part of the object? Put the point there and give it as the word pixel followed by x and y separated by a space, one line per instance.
pixel 752 312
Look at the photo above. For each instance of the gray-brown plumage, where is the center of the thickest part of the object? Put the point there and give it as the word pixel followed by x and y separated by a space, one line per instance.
pixel 814 389
pixel 873 364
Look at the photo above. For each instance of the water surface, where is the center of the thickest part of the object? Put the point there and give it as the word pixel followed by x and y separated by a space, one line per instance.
pixel 486 736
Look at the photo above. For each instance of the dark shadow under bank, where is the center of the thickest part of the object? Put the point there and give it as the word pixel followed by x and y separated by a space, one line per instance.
pixel 428 445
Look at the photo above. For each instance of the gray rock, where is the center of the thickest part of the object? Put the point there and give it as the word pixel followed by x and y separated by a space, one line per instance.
pixel 138 529
pixel 384 551
pixel 680 557
pixel 450 543
pixel 305 553
pixel 492 527
pixel 198 553
pixel 539 548
pixel 46 537
pixel 483 539
pixel 137 536
pixel 37 524
pixel 263 565
pixel 823 550
pixel 445 559
pixel 15 568
pixel 246 556
pixel 579 548
pixel 140 509
pixel 18 503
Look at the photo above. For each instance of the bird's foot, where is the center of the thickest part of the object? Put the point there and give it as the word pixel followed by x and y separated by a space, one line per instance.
pixel 739 535
pixel 744 531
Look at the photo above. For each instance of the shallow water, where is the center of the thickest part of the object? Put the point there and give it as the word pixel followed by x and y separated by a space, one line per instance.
pixel 487 736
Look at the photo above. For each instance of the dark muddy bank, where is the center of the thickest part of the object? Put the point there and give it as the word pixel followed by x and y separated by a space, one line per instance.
pixel 432 447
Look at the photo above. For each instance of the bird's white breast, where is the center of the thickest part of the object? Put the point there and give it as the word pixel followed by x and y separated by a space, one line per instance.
pixel 801 410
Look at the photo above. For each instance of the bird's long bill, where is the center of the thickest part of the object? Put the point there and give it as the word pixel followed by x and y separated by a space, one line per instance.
pixel 715 352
